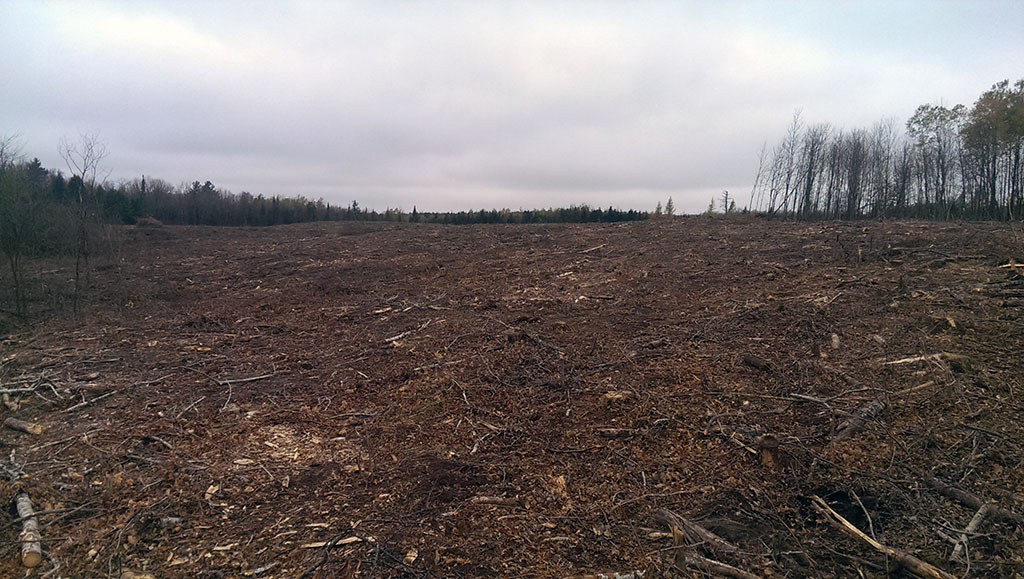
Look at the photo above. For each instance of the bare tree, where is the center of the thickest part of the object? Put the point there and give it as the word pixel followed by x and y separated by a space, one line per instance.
pixel 856 150
pixel 935 130
pixel 82 158
pixel 14 216
pixel 811 152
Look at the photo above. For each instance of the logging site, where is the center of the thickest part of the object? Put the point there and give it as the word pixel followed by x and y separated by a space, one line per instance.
pixel 710 396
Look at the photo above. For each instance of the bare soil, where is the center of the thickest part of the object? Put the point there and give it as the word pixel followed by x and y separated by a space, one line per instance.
pixel 374 400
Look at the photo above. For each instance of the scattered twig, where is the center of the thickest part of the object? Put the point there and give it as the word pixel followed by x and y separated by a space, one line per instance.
pixel 92 400
pixel 867 515
pixel 404 334
pixel 66 513
pixel 349 536
pixel 63 440
pixel 190 407
pixel 23 518
pixel 160 440
pixel 111 393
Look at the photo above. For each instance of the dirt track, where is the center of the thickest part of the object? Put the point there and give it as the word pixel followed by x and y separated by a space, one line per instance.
pixel 520 400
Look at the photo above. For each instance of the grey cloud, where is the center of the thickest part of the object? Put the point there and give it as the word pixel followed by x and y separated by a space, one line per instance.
pixel 452 105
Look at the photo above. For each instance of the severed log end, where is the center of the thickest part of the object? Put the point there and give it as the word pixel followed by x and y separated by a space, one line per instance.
pixel 31 541
pixel 768 447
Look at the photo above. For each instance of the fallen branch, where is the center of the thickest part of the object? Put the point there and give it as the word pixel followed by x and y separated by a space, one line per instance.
pixel 939 357
pixel 92 400
pixel 499 501
pixel 31 541
pixel 906 391
pixel 694 533
pixel 973 501
pixel 16 390
pixel 716 567
pixel 244 380
pixel 404 334
pixel 63 440
pixel 21 425
pixel 909 561
pixel 637 574
pixel 971 529
pixel 850 427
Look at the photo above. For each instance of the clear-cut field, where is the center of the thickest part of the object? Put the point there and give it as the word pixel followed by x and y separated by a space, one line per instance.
pixel 401 400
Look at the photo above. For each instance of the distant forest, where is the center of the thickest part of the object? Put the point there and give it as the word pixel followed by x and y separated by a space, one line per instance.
pixel 34 189
pixel 948 163
pixel 45 213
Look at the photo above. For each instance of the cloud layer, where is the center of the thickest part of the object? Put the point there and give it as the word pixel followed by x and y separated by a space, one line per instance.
pixel 458 105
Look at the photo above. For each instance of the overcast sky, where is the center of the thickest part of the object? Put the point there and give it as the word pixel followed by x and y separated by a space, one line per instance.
pixel 468 105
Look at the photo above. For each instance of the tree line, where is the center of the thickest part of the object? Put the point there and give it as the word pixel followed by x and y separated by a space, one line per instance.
pixel 944 163
pixel 30 185
pixel 47 213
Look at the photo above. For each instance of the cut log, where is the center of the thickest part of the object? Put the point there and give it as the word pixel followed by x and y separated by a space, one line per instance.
pixel 757 362
pixel 909 561
pixel 850 427
pixel 21 425
pixel 973 501
pixel 31 545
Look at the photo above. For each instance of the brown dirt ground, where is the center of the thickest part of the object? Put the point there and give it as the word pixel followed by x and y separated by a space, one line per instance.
pixel 485 401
